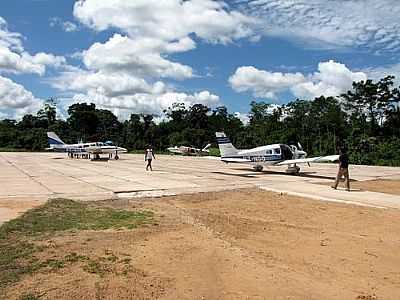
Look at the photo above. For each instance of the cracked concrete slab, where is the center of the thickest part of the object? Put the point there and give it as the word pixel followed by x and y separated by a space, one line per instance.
pixel 41 176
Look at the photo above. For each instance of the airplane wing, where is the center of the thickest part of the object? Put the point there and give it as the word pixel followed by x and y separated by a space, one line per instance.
pixel 236 160
pixel 330 158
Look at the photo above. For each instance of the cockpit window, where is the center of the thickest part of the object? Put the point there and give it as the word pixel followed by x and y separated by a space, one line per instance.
pixel 277 151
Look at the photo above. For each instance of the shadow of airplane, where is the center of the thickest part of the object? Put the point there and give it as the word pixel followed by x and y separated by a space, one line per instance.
pixel 250 175
pixel 278 173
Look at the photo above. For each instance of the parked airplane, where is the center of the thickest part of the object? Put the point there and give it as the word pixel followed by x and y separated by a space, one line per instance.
pixel 56 144
pixel 270 155
pixel 184 150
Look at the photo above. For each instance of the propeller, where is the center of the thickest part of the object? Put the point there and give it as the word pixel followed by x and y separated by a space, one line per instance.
pixel 300 147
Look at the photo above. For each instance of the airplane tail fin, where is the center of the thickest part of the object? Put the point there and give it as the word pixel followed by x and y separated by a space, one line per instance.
pixel 54 139
pixel 225 146
pixel 205 149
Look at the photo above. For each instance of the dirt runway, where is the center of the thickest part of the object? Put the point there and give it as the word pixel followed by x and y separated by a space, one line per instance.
pixel 246 244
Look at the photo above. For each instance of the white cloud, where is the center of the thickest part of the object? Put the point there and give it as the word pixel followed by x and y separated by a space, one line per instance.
pixel 129 71
pixel 15 100
pixel 11 62
pixel 108 84
pixel 243 117
pixel 378 73
pixel 332 79
pixel 263 84
pixel 124 105
pixel 140 57
pixel 67 26
pixel 9 39
pixel 367 24
pixel 166 20
pixel 14 59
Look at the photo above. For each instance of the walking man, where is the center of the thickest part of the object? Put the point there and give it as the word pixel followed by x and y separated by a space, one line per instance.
pixel 148 156
pixel 343 169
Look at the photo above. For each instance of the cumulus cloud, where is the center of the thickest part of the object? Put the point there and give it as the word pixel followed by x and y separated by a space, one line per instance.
pixel 343 23
pixel 331 79
pixel 9 39
pixel 124 105
pixel 108 84
pixel 130 70
pixel 14 58
pixel 263 84
pixel 67 26
pixel 15 100
pixel 166 20
pixel 140 57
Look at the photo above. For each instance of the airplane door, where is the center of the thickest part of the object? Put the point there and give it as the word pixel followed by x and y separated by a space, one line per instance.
pixel 286 152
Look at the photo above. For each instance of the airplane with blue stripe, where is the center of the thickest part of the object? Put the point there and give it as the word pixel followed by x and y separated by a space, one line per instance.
pixel 269 155
pixel 96 148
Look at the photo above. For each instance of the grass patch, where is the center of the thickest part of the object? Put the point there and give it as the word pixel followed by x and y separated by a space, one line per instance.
pixel 62 214
pixel 214 152
pixel 18 236
pixel 30 296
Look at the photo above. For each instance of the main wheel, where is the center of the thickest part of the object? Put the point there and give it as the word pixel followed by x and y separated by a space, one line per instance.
pixel 116 157
pixel 293 170
pixel 258 168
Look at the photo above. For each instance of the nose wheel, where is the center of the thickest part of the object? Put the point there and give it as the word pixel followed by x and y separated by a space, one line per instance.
pixel 258 168
pixel 293 169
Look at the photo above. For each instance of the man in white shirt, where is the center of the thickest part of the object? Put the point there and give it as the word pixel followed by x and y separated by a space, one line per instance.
pixel 148 156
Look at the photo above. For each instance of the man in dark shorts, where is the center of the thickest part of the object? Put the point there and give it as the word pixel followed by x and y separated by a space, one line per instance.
pixel 148 156
pixel 343 169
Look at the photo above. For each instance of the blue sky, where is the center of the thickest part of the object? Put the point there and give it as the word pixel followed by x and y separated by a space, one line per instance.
pixel 140 56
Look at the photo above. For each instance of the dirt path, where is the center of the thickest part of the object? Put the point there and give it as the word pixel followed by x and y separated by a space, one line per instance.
pixel 246 244
pixel 380 186
pixel 10 209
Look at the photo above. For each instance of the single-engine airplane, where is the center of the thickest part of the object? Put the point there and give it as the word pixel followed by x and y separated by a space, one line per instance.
pixel 97 148
pixel 184 150
pixel 269 155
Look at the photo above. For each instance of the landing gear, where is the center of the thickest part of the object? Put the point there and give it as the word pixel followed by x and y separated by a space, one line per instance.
pixel 258 168
pixel 116 157
pixel 293 169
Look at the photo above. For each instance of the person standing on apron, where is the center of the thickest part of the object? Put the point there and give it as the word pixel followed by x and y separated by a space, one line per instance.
pixel 148 156
pixel 343 169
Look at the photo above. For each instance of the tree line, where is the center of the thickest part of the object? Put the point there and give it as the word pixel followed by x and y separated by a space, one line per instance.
pixel 365 120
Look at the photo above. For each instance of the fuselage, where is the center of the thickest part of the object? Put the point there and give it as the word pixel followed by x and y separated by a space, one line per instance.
pixel 269 154
pixel 184 150
pixel 94 148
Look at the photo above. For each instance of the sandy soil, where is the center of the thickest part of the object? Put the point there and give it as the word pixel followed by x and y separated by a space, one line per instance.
pixel 246 244
pixel 380 186
pixel 10 209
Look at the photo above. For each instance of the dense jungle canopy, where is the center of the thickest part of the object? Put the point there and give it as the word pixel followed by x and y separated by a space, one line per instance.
pixel 366 120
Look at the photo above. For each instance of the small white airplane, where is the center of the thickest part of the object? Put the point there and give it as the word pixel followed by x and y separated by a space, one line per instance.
pixel 184 150
pixel 56 144
pixel 270 155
